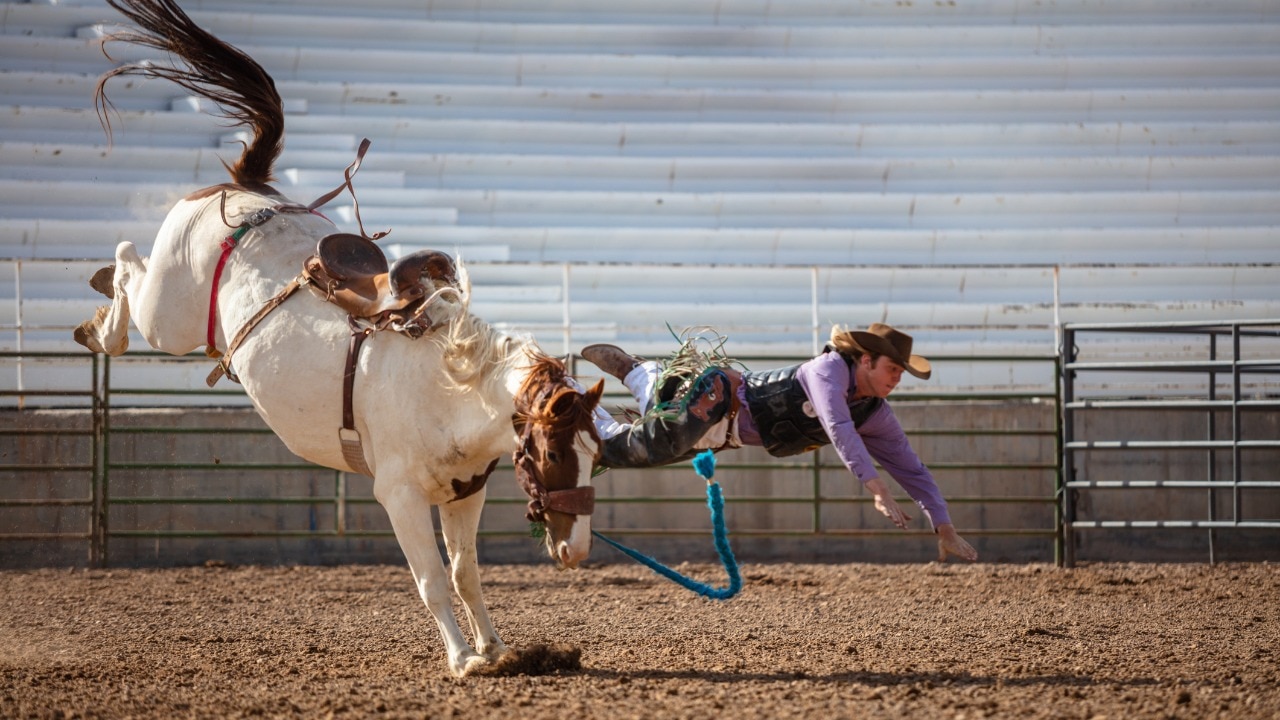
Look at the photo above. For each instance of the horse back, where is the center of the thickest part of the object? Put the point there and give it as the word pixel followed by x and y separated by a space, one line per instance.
pixel 171 304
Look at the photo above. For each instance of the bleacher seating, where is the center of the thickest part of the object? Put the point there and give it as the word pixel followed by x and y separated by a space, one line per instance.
pixel 975 172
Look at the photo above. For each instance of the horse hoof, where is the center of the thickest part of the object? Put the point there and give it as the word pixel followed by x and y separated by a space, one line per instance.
pixel 104 281
pixel 82 335
pixel 470 665
pixel 86 334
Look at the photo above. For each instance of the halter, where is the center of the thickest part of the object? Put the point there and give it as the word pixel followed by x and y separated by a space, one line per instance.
pixel 572 501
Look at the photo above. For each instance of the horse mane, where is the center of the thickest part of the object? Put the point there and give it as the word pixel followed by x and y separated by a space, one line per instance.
pixel 474 354
pixel 546 371
pixel 210 68
pixel 550 372
pixel 477 357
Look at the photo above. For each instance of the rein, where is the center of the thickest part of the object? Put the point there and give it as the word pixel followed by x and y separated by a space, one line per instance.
pixel 229 243
pixel 704 464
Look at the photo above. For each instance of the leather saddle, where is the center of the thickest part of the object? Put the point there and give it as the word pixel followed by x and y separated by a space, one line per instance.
pixel 353 273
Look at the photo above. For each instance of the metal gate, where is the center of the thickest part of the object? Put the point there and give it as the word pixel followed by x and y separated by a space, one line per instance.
pixel 1192 404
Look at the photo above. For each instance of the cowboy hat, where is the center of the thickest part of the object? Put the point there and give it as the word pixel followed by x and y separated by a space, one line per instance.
pixel 881 339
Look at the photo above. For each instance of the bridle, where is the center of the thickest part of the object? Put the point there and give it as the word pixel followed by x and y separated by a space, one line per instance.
pixel 572 501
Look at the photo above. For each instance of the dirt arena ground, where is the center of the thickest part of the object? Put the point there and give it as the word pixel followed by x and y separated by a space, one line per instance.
pixel 825 641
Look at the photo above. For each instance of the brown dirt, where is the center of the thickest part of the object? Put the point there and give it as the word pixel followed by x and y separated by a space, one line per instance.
pixel 949 641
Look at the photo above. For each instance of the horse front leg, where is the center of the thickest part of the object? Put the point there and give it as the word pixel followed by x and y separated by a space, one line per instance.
pixel 410 513
pixel 460 521
pixel 108 331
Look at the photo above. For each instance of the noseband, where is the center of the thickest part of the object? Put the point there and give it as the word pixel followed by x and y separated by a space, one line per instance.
pixel 572 501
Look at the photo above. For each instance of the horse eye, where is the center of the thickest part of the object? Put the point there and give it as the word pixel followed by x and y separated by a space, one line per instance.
pixel 553 456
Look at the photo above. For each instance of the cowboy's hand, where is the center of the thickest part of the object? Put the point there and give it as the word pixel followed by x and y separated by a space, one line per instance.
pixel 886 504
pixel 950 543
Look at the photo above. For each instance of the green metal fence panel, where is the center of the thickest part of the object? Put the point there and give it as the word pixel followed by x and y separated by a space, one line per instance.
pixel 158 469
pixel 49 492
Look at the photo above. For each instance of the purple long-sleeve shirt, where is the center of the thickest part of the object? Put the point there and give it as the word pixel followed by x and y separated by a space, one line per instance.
pixel 829 383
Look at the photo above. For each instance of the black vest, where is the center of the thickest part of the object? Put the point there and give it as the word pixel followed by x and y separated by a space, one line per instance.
pixel 776 401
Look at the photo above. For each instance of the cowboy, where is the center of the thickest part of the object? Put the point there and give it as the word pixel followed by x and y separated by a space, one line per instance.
pixel 836 398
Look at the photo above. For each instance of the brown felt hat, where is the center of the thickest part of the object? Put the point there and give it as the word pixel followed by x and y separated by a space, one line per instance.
pixel 881 339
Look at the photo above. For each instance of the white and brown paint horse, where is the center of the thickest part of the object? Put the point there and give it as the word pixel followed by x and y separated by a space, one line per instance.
pixel 434 413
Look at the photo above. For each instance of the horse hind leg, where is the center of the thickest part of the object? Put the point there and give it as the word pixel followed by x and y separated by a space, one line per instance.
pixel 108 331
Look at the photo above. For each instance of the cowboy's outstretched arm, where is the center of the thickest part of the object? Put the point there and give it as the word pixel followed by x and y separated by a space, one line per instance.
pixel 885 502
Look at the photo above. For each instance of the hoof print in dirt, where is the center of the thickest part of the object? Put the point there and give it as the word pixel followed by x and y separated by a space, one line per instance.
pixel 535 660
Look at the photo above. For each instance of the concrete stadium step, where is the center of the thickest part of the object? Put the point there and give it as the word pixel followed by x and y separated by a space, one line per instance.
pixel 969 211
pixel 57 239
pixel 760 12
pixel 51 238
pixel 640 139
pixel 475 102
pixel 42 238
pixel 316 168
pixel 792 246
pixel 981 36
pixel 727 210
pixel 798 140
pixel 465 253
pixel 1185 104
pixel 962 286
pixel 344 214
pixel 639 72
pixel 924 174
pixel 192 166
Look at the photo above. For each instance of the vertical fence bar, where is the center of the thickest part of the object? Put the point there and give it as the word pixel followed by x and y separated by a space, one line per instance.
pixel 105 517
pixel 1211 453
pixel 816 470
pixel 815 328
pixel 1059 363
pixel 1058 480
pixel 1236 470
pixel 17 315
pixel 1067 435
pixel 566 316
pixel 96 442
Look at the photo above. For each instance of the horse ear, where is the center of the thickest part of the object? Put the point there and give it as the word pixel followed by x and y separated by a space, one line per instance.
pixel 519 422
pixel 562 402
pixel 594 394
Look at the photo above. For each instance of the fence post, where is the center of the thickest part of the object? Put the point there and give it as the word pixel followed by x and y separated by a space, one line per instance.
pixel 1066 506
pixel 101 454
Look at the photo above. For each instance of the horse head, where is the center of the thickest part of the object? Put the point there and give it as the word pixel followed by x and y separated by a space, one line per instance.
pixel 556 454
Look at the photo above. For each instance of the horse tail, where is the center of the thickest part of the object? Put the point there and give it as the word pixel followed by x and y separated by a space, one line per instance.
pixel 211 69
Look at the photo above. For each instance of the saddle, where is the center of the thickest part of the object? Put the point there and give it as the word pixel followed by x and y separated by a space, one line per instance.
pixel 353 274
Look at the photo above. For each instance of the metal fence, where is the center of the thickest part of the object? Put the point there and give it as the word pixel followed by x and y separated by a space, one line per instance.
pixel 100 441
pixel 1204 393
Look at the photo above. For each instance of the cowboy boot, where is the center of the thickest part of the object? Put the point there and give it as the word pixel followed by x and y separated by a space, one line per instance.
pixel 611 359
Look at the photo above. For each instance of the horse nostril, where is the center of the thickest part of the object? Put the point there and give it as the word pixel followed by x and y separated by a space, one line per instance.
pixel 566 556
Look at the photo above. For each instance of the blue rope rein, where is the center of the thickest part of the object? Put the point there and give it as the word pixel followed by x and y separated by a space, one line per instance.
pixel 705 465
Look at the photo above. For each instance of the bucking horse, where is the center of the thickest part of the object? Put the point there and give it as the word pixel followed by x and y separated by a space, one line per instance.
pixel 356 363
